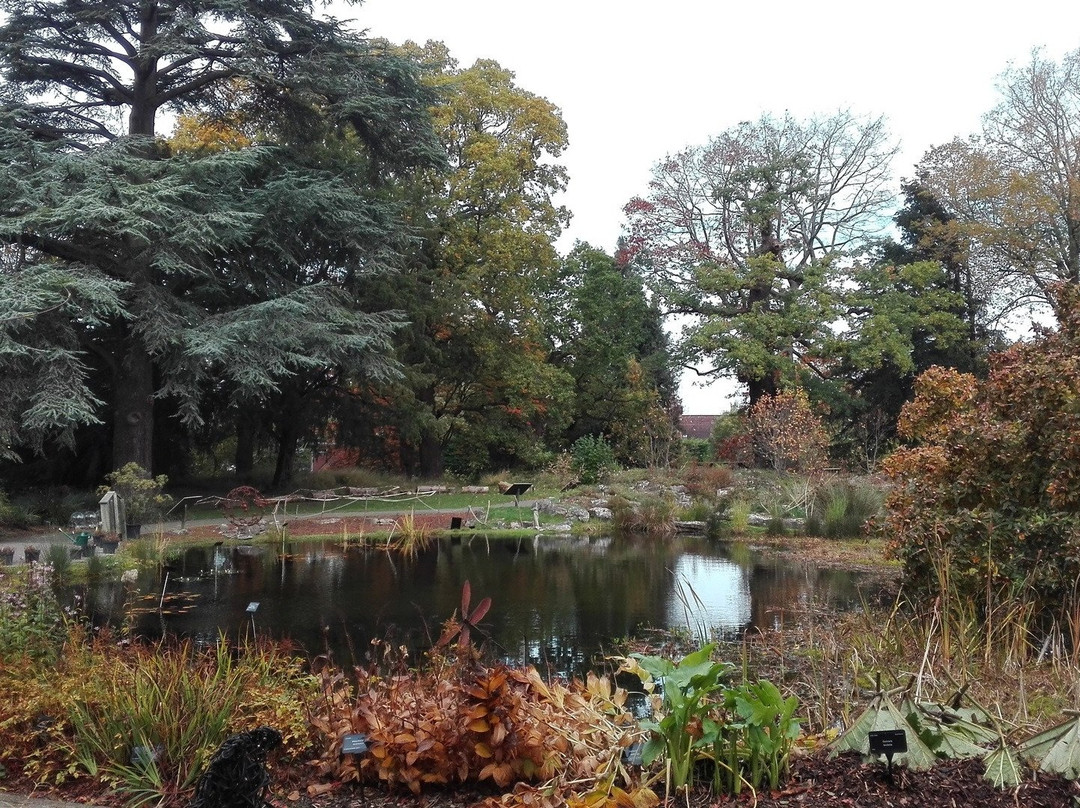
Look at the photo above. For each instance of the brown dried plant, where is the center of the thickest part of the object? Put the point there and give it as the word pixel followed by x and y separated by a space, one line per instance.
pixel 459 721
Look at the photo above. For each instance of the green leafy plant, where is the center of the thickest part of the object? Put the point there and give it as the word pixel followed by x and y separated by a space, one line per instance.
pixel 680 709
pixel 761 738
pixel 593 458
pixel 141 493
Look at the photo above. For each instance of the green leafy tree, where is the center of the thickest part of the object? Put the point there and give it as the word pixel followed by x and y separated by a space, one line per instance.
pixel 909 309
pixel 899 320
pixel 741 237
pixel 985 503
pixel 610 338
pixel 228 268
pixel 480 391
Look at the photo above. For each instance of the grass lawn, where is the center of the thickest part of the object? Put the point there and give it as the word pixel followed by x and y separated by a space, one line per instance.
pixel 404 502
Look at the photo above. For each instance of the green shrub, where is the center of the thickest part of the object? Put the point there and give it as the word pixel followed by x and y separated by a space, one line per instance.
pixel 697 450
pixel 593 458
pixel 53 505
pixel 141 493
pixel 13 515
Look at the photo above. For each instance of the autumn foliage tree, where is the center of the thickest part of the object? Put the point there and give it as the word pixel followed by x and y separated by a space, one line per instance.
pixel 1012 188
pixel 985 499
pixel 787 435
pixel 479 390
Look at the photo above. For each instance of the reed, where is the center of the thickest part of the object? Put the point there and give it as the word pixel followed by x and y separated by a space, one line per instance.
pixel 408 536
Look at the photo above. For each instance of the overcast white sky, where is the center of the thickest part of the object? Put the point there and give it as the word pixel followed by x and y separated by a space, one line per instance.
pixel 635 81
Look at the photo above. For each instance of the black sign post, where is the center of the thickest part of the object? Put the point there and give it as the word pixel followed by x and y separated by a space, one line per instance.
pixel 515 490
pixel 354 744
pixel 888 742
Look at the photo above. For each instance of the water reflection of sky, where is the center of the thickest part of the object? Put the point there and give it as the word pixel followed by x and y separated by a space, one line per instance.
pixel 708 591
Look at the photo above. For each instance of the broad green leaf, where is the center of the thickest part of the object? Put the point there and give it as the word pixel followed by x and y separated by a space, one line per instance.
pixel 652 749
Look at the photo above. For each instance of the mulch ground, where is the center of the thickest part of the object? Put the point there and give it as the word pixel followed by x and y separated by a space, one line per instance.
pixel 816 781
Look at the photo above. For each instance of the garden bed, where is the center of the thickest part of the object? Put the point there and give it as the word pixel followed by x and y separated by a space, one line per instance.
pixel 817 781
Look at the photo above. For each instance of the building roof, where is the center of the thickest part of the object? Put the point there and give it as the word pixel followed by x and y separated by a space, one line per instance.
pixel 697 426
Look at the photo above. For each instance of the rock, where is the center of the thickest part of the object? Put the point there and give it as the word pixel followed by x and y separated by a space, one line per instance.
pixel 763 520
pixel 552 507
pixel 578 513
pixel 692 528
pixel 601 513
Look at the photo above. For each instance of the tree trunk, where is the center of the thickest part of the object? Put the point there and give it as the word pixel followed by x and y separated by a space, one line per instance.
pixel 288 438
pixel 133 425
pixel 757 389
pixel 244 458
pixel 431 455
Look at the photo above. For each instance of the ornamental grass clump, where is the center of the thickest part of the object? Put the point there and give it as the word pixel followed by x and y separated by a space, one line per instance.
pixel 842 508
pixel 145 719
pixel 149 719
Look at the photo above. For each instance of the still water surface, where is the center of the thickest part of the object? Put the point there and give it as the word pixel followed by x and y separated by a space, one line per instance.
pixel 557 602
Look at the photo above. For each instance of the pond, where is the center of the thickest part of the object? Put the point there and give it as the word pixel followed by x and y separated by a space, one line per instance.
pixel 557 602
